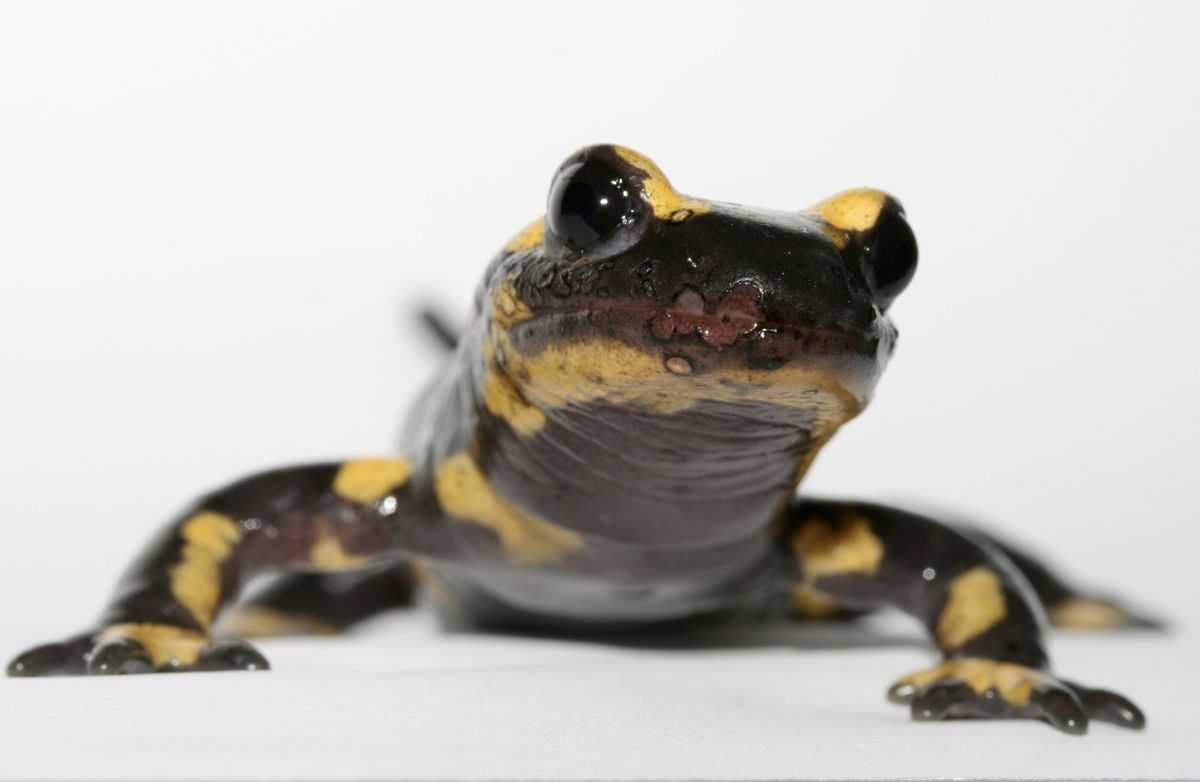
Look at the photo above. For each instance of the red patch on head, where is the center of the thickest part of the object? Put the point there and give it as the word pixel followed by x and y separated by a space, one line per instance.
pixel 736 314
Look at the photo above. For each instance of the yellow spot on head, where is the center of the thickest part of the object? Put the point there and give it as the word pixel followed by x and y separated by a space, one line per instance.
pixel 508 308
pixel 529 238
pixel 466 495
pixel 1013 683
pixel 846 546
pixel 327 552
pixel 503 399
pixel 667 202
pixel 167 646
pixel 370 480
pixel 853 210
pixel 564 373
pixel 976 603
pixel 196 581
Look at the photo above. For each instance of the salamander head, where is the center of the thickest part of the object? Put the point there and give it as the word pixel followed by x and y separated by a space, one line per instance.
pixel 631 292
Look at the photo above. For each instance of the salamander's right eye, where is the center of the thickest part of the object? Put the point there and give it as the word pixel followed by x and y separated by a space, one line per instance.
pixel 591 201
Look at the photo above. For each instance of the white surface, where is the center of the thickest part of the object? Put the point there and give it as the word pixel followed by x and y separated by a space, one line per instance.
pixel 215 217
pixel 405 702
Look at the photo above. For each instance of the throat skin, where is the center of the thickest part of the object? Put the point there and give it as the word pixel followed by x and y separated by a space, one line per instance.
pixel 704 477
pixel 581 481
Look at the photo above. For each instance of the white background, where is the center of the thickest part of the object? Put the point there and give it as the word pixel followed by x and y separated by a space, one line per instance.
pixel 216 218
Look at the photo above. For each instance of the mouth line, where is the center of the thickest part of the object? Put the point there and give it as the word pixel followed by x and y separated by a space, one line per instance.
pixel 720 329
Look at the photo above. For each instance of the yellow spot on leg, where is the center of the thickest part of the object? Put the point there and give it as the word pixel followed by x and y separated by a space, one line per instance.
pixel 975 605
pixel 846 546
pixel 1083 613
pixel 809 603
pixel 370 480
pixel 196 581
pixel 255 621
pixel 465 494
pixel 327 552
pixel 166 645
pixel 1013 683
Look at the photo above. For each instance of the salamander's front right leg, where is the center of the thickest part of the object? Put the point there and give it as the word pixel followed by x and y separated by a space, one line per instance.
pixel 977 607
pixel 324 517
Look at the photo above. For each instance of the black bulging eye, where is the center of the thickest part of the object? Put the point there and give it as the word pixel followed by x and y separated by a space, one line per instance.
pixel 589 201
pixel 891 256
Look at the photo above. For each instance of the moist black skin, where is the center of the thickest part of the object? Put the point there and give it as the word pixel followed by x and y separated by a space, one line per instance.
pixel 618 439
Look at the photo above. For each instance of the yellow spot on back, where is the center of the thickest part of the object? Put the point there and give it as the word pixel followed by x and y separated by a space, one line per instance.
pixel 530 237
pixel 976 603
pixel 853 210
pixel 196 581
pixel 1082 613
pixel 370 480
pixel 667 202
pixel 465 494
pixel 166 645
pixel 846 546
pixel 1013 683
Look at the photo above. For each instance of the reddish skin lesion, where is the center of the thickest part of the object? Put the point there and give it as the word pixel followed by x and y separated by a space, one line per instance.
pixel 736 315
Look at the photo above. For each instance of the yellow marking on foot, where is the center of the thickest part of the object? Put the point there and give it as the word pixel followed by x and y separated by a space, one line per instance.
pixel 466 495
pixel 845 546
pixel 975 605
pixel 254 621
pixel 166 645
pixel 196 581
pixel 327 552
pixel 370 480
pixel 666 201
pixel 1084 613
pixel 810 603
pixel 1013 683
pixel 530 237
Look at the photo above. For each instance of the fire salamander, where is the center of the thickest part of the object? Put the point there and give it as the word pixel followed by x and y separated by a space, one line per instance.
pixel 617 439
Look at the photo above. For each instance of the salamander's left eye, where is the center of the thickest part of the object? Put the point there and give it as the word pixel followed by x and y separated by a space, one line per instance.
pixel 891 254
pixel 590 202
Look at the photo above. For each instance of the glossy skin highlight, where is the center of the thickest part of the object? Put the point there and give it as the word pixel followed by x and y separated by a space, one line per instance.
pixel 618 439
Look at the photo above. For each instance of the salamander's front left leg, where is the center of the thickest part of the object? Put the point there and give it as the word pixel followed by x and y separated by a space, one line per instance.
pixel 324 517
pixel 979 609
